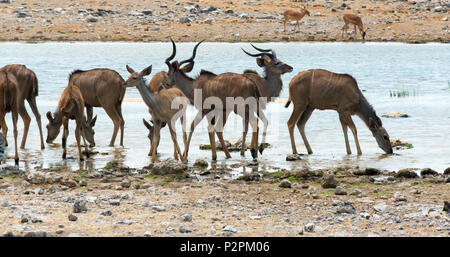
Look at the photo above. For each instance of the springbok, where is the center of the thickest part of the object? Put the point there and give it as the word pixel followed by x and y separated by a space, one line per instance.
pixel 27 85
pixel 325 90
pixel 101 88
pixel 164 107
pixel 71 107
pixel 357 22
pixel 9 103
pixel 225 85
pixel 294 15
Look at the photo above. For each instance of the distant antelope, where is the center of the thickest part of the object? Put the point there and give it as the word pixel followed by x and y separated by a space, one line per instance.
pixel 325 90
pixel 294 15
pixel 226 85
pixel 9 103
pixel 27 89
pixel 71 107
pixel 102 88
pixel 357 22
pixel 160 105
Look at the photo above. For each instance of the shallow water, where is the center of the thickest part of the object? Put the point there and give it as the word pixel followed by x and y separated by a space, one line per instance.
pixel 380 68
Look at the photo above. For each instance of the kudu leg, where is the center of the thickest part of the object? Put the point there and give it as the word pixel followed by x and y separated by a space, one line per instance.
pixel 116 119
pixel 175 142
pixel 195 122
pixel 4 127
pixel 352 127
pixel 244 134
pixel 301 127
pixel 77 137
pixel 16 153
pixel 296 113
pixel 64 136
pixel 284 23
pixel 265 122
pixel 221 122
pixel 156 129
pixel 344 129
pixel 37 115
pixel 122 123
pixel 26 122
pixel 254 144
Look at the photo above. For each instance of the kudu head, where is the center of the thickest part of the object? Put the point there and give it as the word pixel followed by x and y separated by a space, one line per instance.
pixel 175 68
pixel 149 126
pixel 136 77
pixel 88 130
pixel 380 134
pixel 306 11
pixel 268 60
pixel 54 126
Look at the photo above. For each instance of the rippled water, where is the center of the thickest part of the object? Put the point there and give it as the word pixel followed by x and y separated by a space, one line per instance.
pixel 380 68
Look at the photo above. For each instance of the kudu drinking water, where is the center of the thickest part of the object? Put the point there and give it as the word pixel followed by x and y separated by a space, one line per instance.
pixel 27 89
pixel 325 90
pixel 102 88
pixel 164 107
pixel 71 107
pixel 220 87
pixel 9 103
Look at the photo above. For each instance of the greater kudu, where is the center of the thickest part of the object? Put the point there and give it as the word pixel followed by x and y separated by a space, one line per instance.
pixel 325 90
pixel 356 21
pixel 294 15
pixel 102 88
pixel 27 89
pixel 71 107
pixel 9 103
pixel 164 107
pixel 227 85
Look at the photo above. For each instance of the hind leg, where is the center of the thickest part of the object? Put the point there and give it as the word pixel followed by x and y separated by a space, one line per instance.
pixel 301 127
pixel 16 153
pixel 265 122
pixel 116 119
pixel 33 106
pixel 296 113
pixel 221 121
pixel 121 124
pixel 4 127
pixel 344 129
pixel 26 122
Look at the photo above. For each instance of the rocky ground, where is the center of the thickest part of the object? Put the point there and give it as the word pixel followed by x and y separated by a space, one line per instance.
pixel 171 199
pixel 227 21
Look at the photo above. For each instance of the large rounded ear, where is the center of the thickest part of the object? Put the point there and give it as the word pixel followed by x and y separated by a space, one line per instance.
pixel 49 116
pixel 146 71
pixel 260 62
pixel 188 67
pixel 174 65
pixel 150 127
pixel 92 123
pixel 130 70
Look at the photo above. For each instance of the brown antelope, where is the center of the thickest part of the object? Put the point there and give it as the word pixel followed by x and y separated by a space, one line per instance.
pixel 9 103
pixel 102 88
pixel 294 15
pixel 325 90
pixel 71 107
pixel 226 85
pixel 164 107
pixel 27 85
pixel 357 22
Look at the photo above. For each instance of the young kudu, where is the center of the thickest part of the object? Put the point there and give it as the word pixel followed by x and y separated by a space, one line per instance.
pixel 8 103
pixel 164 107
pixel 71 107
pixel 357 22
pixel 294 15
pixel 220 87
pixel 102 88
pixel 325 90
pixel 27 89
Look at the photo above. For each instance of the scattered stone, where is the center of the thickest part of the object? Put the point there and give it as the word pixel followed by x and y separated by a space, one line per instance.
pixel 201 162
pixel 381 208
pixel 115 202
pixel 124 222
pixel 447 171
pixel 447 206
pixel 186 217
pixel 340 191
pixel 106 213
pixel 79 206
pixel 310 227
pixel 428 171
pixel 395 115
pixel 285 184
pixel 300 231
pixel 293 157
pixel 329 181
pixel 346 207
pixel 229 228
pixel 184 229
pixel 398 197
pixel 39 233
pixel 356 192
pixel 185 20
pixel 73 217
pixel 126 183
pixel 168 166
pixel 158 208
pixel 367 172
pixel 147 234
pixel 406 173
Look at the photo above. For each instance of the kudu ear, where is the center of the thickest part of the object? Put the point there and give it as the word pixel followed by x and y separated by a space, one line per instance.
pixel 130 70
pixel 150 127
pixel 188 67
pixel 92 123
pixel 146 71
pixel 174 65
pixel 260 62
pixel 49 116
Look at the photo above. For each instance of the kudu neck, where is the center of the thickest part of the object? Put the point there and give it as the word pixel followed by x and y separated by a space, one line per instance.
pixel 272 84
pixel 186 85
pixel 365 111
pixel 149 97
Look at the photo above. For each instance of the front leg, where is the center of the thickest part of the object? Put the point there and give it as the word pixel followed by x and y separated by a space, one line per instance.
pixel 64 136
pixel 77 137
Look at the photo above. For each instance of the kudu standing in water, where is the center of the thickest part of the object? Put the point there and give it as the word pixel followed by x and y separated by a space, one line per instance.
pixel 227 85
pixel 71 107
pixel 102 88
pixel 164 106
pixel 325 90
pixel 9 103
pixel 357 22
pixel 27 89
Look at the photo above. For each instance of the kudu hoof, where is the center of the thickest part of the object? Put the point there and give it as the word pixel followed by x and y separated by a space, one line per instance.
pixel 64 156
pixel 261 148
pixel 16 161
pixel 254 153
pixel 81 159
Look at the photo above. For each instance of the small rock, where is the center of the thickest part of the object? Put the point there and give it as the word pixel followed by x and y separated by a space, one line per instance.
pixel 310 227
pixel 147 234
pixel 73 217
pixel 106 213
pixel 345 208
pixel 329 182
pixel 158 208
pixel 381 208
pixel 184 229
pixel 293 157
pixel 79 206
pixel 124 222
pixel 406 173
pixel 447 171
pixel 229 228
pixel 201 163
pixel 340 191
pixel 126 183
pixel 428 171
pixel 356 192
pixel 447 206
pixel 186 217
pixel 395 115
pixel 38 233
pixel 285 184
pixel 115 202
pixel 398 197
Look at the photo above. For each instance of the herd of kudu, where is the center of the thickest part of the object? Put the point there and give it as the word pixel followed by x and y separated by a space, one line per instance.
pixel 169 93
